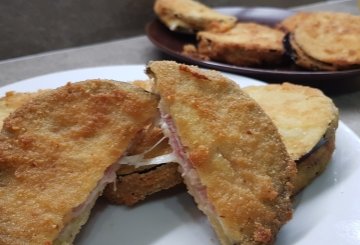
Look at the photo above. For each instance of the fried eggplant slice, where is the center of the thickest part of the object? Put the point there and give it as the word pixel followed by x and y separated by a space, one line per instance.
pixel 232 158
pixel 58 152
pixel 307 121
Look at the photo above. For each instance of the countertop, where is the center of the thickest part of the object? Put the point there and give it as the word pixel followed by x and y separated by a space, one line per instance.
pixel 139 50
pixel 30 27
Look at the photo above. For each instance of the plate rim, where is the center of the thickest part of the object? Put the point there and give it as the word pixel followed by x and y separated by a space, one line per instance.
pixel 344 128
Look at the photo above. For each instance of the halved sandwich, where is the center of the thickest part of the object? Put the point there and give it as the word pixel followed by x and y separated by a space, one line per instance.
pixel 305 117
pixel 132 184
pixel 57 153
pixel 306 120
pixel 231 155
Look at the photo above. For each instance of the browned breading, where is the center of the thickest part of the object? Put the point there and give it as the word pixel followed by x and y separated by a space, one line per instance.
pixel 302 114
pixel 133 184
pixel 290 23
pixel 236 160
pixel 55 149
pixel 136 186
pixel 13 100
pixel 281 102
pixel 303 60
pixel 145 84
pixel 328 41
pixel 190 50
pixel 246 44
pixel 191 16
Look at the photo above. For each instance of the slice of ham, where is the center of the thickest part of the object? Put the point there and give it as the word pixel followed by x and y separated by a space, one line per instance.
pixel 109 177
pixel 77 212
pixel 188 172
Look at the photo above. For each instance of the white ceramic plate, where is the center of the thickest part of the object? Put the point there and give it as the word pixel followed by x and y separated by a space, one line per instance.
pixel 326 212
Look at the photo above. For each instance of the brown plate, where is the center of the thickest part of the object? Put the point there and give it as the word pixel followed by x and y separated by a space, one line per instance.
pixel 171 43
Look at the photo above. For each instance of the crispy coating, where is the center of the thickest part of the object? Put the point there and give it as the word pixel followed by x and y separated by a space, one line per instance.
pixel 246 44
pixel 306 61
pixel 302 114
pixel 294 110
pixel 233 147
pixel 290 23
pixel 331 38
pixel 191 16
pixel 136 186
pixel 56 148
pixel 13 100
pixel 144 84
pixel 305 118
pixel 191 50
pixel 133 185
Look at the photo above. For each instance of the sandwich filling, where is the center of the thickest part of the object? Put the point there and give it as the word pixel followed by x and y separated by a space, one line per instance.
pixel 80 213
pixel 109 177
pixel 140 160
pixel 178 155
pixel 196 188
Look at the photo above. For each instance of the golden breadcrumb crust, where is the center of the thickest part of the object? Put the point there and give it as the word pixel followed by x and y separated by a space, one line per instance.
pixel 56 148
pixel 191 16
pixel 303 60
pixel 282 103
pixel 144 84
pixel 290 23
pixel 12 100
pixel 245 44
pixel 330 37
pixel 133 184
pixel 234 148
pixel 132 188
pixel 302 114
pixel 191 50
